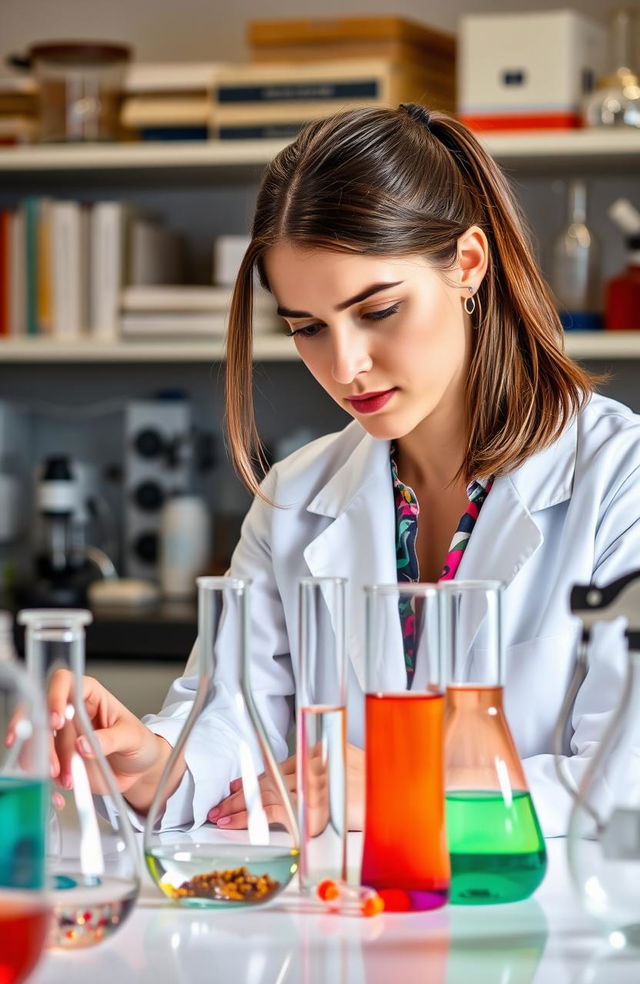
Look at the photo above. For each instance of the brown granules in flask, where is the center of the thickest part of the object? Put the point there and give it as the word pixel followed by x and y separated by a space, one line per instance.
pixel 233 885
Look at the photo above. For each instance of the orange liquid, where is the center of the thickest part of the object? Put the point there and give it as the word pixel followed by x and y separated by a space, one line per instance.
pixel 23 934
pixel 405 855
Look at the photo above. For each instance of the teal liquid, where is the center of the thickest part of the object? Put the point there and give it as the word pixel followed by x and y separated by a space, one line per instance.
pixel 22 832
pixel 497 850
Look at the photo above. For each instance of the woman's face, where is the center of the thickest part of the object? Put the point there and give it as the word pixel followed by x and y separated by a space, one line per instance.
pixel 387 337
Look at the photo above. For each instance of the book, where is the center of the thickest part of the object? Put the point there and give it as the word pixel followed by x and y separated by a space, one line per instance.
pixel 17 275
pixel 164 77
pixel 335 83
pixel 338 30
pixel 165 110
pixel 109 264
pixel 70 269
pixel 44 288
pixel 154 253
pixel 210 324
pixel 5 269
pixel 186 298
pixel 30 209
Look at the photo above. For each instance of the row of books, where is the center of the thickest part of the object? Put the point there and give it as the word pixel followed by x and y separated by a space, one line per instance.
pixel 186 311
pixel 63 265
pixel 299 70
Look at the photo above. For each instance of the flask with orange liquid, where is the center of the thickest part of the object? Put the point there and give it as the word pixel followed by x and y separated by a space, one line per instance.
pixel 405 854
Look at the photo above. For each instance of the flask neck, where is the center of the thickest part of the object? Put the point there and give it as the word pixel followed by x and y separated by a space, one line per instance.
pixel 577 202
pixel 471 697
pixel 621 41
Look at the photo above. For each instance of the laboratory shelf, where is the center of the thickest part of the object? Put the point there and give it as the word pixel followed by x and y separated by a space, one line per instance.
pixel 614 148
pixel 268 348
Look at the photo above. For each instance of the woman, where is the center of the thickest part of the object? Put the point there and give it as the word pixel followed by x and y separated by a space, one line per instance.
pixel 396 254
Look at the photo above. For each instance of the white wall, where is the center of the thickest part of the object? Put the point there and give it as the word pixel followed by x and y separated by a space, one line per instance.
pixel 165 30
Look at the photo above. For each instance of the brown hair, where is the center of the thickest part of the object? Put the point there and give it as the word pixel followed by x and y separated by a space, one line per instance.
pixel 396 182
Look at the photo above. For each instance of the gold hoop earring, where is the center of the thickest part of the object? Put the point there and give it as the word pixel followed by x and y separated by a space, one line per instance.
pixel 470 302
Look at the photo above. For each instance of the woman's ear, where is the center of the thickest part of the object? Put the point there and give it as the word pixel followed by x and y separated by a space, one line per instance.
pixel 473 257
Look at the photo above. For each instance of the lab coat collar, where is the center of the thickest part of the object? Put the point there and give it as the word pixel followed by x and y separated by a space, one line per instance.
pixel 360 544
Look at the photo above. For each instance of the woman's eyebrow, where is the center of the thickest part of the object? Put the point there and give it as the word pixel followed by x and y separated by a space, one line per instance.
pixel 362 296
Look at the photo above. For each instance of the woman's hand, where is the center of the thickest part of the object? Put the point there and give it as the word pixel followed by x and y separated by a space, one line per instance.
pixel 136 755
pixel 231 812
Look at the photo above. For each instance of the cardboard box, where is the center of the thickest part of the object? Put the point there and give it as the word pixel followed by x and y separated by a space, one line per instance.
pixel 528 71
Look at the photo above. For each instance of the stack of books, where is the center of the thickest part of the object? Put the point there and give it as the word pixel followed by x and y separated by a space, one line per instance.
pixel 18 110
pixel 168 101
pixel 187 311
pixel 63 265
pixel 307 70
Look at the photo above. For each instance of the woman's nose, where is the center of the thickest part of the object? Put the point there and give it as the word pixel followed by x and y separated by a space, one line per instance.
pixel 350 356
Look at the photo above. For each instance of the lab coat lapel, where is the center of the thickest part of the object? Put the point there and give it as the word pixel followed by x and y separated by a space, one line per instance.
pixel 506 535
pixel 360 543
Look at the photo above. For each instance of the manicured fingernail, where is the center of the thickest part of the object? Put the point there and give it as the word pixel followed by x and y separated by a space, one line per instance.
pixel 56 721
pixel 214 813
pixel 84 747
pixel 66 781
pixel 58 800
pixel 223 821
pixel 9 739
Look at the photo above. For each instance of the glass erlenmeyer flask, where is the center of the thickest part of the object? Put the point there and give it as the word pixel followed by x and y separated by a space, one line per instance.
pixel 405 846
pixel 495 842
pixel 94 874
pixel 252 857
pixel 24 793
pixel 603 839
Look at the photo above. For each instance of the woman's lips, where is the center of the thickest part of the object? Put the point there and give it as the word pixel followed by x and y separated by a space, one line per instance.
pixel 371 402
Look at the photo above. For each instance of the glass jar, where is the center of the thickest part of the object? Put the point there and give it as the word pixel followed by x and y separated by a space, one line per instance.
pixel 80 89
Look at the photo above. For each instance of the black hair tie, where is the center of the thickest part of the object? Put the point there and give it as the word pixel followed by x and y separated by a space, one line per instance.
pixel 417 113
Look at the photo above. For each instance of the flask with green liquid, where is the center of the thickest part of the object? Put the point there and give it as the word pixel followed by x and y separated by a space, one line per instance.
pixel 495 843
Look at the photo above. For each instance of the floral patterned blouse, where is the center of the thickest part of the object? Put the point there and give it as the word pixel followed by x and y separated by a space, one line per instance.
pixel 407 512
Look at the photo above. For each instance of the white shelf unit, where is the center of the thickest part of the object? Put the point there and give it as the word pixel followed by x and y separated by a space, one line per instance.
pixel 268 348
pixel 613 150
pixel 557 149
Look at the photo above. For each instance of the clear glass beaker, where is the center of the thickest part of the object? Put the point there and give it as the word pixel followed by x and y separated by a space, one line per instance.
pixel 24 796
pixel 405 854
pixel 495 842
pixel 253 856
pixel 322 731
pixel 93 868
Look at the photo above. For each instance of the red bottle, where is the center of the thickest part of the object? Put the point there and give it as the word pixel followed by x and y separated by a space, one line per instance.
pixel 622 299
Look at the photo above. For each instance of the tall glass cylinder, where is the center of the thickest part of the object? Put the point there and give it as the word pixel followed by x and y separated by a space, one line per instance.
pixel 24 793
pixel 321 731
pixel 93 865
pixel 405 845
pixel 251 852
pixel 496 846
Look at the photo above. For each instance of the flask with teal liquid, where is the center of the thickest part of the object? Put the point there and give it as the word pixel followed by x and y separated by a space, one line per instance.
pixel 495 843
pixel 24 796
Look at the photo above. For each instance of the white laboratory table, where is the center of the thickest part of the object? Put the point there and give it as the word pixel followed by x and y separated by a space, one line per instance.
pixel 546 939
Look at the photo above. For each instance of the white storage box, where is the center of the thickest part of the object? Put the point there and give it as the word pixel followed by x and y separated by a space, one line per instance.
pixel 528 71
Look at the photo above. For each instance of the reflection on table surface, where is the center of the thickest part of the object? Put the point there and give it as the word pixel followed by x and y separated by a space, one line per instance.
pixel 546 939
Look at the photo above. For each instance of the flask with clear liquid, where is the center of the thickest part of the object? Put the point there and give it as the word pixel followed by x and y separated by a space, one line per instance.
pixel 252 857
pixel 495 843
pixel 93 868
pixel 24 796
pixel 603 839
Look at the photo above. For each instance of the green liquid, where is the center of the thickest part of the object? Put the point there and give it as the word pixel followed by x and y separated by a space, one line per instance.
pixel 497 850
pixel 22 832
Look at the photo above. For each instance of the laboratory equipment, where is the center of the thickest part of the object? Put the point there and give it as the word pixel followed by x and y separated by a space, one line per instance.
pixel 616 100
pixel 252 859
pixel 405 854
pixel 575 270
pixel 603 840
pixel 24 794
pixel 622 297
pixel 495 842
pixel 322 731
pixel 93 870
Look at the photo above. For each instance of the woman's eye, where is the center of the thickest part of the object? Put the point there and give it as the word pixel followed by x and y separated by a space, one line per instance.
pixel 381 315
pixel 307 331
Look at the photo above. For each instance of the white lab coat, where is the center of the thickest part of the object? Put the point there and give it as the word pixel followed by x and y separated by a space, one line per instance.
pixel 569 514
